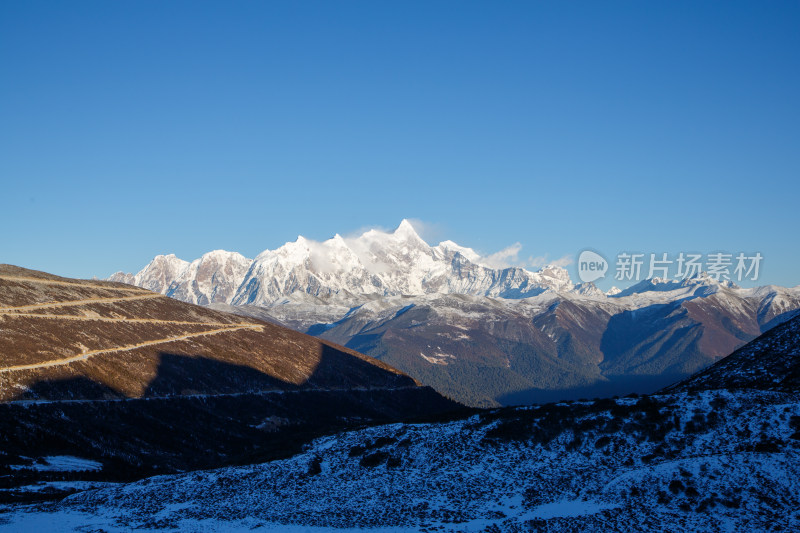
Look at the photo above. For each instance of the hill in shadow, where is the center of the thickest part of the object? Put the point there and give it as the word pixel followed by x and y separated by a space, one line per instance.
pixel 180 375
pixel 68 389
pixel 249 417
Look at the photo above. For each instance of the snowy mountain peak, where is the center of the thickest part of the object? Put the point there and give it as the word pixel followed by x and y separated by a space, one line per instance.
pixel 588 289
pixel 375 263
pixel 404 233
pixel 613 291
pixel 405 229
pixel 168 261
pixel 704 278
pixel 378 263
pixel 555 272
pixel 157 275
pixel 213 277
pixel 450 246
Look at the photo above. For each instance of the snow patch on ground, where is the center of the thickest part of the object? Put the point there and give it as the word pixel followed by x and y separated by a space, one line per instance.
pixel 570 508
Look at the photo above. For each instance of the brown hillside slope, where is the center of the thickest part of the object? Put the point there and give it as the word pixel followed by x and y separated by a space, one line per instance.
pixel 144 384
pixel 76 339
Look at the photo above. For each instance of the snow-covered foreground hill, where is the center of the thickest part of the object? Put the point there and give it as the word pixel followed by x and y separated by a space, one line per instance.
pixel 704 461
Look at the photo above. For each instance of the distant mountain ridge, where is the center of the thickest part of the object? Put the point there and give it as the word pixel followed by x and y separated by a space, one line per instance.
pixel 481 335
pixel 214 277
pixel 770 362
pixel 375 263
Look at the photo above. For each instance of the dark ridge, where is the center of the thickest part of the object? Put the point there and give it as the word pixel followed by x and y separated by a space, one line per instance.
pixel 180 375
pixel 770 362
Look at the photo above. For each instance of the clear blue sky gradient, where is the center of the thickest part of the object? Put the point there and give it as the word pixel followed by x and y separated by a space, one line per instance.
pixel 129 129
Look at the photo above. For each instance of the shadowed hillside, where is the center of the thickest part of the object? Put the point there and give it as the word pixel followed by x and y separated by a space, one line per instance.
pixel 770 362
pixel 141 383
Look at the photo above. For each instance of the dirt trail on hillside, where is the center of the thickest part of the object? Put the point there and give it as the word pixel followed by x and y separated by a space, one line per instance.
pixel 131 320
pixel 70 284
pixel 72 303
pixel 86 355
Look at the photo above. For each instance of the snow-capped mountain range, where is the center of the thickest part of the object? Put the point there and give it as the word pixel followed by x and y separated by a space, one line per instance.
pixel 376 263
pixel 478 334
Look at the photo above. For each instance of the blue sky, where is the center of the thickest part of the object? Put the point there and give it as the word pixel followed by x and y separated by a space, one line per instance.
pixel 129 129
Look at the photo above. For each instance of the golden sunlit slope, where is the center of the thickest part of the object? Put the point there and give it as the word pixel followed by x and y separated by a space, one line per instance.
pixel 62 339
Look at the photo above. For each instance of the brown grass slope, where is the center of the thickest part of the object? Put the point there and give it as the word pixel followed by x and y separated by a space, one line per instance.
pixel 63 338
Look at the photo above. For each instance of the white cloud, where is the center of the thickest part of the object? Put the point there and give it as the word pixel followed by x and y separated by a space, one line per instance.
pixel 509 257
pixel 320 257
pixel 362 250
pixel 356 233
pixel 429 232
pixel 539 262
